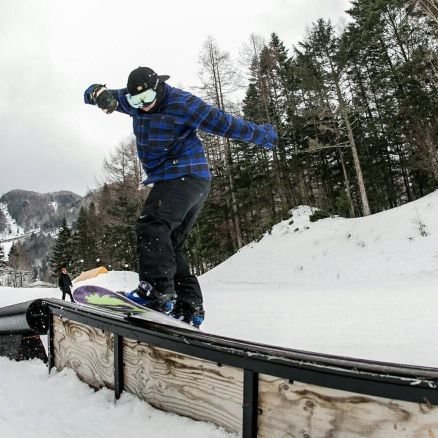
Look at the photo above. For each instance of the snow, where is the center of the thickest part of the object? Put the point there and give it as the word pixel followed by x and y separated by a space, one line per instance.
pixel 12 230
pixel 36 404
pixel 364 288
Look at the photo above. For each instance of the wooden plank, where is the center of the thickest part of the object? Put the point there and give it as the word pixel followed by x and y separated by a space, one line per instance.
pixel 87 350
pixel 185 385
pixel 302 410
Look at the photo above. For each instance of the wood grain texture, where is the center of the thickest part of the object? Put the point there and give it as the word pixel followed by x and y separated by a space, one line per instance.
pixel 185 385
pixel 308 411
pixel 87 350
pixel 206 391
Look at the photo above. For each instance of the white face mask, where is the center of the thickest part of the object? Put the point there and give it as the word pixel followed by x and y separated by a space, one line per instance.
pixel 142 99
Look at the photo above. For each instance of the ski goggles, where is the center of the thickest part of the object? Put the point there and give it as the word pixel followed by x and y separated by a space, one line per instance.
pixel 142 99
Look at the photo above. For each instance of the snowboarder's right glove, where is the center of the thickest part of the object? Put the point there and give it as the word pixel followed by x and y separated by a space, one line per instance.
pixel 98 94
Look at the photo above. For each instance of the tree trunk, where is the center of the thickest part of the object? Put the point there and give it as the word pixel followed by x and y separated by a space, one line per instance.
pixel 347 184
pixel 357 166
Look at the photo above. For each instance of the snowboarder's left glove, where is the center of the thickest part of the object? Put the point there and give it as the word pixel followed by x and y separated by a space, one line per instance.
pixel 271 136
pixel 98 94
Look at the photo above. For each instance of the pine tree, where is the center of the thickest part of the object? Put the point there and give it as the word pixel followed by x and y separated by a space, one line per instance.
pixel 393 72
pixel 14 257
pixel 18 258
pixel 321 47
pixel 85 241
pixel 268 68
pixel 62 252
pixel 3 262
pixel 258 179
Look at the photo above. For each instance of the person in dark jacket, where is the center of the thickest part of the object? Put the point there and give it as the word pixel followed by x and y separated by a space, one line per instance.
pixel 65 284
pixel 165 121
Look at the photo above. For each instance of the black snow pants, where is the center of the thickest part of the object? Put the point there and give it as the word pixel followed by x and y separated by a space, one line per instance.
pixel 67 292
pixel 168 216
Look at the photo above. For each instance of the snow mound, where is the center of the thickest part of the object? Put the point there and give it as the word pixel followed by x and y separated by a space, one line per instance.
pixel 395 244
pixel 115 280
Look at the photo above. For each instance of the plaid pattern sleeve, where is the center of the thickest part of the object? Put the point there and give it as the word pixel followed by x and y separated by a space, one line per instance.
pixel 215 121
pixel 123 106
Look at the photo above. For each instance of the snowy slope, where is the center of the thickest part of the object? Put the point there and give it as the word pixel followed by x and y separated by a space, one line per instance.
pixel 370 250
pixel 11 231
pixel 12 228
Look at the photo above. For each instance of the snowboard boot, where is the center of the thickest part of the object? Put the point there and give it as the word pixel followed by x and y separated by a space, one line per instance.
pixel 197 320
pixel 177 311
pixel 196 315
pixel 146 295
pixel 187 315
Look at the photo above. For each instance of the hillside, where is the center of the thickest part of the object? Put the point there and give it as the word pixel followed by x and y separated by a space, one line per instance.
pixel 32 219
pixel 395 244
pixel 41 210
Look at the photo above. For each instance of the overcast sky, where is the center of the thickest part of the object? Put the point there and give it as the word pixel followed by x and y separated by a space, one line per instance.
pixel 51 50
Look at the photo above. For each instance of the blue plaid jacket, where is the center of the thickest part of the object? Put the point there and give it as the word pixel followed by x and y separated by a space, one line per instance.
pixel 167 144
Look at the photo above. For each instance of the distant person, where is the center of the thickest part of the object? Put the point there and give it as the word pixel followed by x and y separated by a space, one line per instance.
pixel 65 284
pixel 165 121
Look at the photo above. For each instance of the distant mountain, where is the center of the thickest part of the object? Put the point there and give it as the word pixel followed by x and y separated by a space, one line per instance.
pixel 31 220
pixel 44 211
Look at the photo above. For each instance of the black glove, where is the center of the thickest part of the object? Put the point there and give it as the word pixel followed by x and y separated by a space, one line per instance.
pixel 99 95
pixel 105 100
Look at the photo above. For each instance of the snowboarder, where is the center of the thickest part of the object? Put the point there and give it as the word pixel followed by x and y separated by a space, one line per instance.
pixel 165 120
pixel 65 284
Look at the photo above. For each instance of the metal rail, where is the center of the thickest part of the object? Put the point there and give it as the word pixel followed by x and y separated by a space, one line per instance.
pixel 389 380
pixel 30 317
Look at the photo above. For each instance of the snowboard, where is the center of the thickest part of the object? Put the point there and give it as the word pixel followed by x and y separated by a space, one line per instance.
pixel 107 299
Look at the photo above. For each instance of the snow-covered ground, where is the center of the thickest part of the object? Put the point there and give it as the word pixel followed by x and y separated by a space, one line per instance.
pixel 34 404
pixel 364 288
